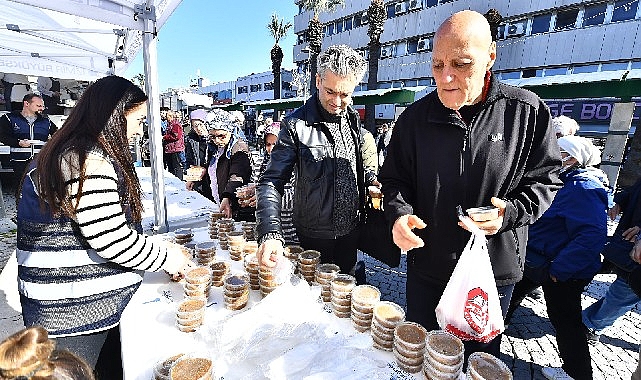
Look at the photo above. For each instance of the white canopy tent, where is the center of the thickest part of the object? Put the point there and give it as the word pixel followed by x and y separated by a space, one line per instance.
pixel 87 40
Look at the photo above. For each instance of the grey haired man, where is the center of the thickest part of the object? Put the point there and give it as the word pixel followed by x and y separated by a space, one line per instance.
pixel 321 140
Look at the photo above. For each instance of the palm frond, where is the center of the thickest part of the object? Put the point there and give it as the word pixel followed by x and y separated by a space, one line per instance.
pixel 278 28
pixel 318 6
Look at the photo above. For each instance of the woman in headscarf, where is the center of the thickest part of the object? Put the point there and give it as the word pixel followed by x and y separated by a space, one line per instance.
pixel 226 165
pixel 563 252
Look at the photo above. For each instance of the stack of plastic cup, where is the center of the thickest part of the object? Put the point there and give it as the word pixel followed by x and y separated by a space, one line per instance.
pixel 249 228
pixel 409 346
pixel 218 271
pixel 183 235
pixel 198 282
pixel 250 248
pixel 325 273
pixel 236 291
pixel 267 280
pixel 236 242
pixel 385 316
pixel 189 314
pixel 213 224
pixel 443 357
pixel 162 368
pixel 192 368
pixel 205 252
pixel 341 295
pixel 251 267
pixel 225 225
pixel 364 298
pixel 307 262
pixel 483 366
pixel 292 252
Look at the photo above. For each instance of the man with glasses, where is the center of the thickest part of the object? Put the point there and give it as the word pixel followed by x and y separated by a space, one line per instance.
pixel 321 140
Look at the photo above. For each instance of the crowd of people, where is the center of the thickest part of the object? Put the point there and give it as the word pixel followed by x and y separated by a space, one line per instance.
pixel 474 141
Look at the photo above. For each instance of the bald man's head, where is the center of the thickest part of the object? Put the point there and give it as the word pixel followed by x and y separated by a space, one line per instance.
pixel 463 53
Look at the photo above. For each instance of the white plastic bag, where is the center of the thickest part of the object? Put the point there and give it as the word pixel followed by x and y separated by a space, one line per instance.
pixel 469 307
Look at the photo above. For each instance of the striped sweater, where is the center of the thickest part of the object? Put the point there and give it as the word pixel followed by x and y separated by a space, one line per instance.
pixel 75 276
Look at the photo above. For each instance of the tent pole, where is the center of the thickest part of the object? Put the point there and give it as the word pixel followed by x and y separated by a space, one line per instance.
pixel 150 58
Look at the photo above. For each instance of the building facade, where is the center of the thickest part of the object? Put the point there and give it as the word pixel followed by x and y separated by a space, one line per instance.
pixel 537 39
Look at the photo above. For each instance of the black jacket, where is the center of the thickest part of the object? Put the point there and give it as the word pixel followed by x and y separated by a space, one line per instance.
pixel 305 142
pixel 629 200
pixel 436 162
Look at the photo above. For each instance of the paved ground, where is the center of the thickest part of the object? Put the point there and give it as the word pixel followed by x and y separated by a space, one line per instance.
pixel 527 345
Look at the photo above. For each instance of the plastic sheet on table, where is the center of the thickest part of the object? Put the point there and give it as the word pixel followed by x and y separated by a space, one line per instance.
pixel 289 335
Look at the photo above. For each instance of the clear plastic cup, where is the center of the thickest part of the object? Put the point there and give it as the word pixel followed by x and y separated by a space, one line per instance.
pixel 192 368
pixel 444 347
pixel 411 335
pixel 309 257
pixel 162 368
pixel 366 295
pixel 388 314
pixel 199 275
pixel 484 366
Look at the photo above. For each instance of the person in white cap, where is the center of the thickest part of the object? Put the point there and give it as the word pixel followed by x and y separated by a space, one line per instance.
pixel 565 126
pixel 564 253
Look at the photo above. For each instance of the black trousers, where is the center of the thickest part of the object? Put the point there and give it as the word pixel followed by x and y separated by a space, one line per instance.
pixel 340 251
pixel 101 350
pixel 174 165
pixel 423 297
pixel 563 301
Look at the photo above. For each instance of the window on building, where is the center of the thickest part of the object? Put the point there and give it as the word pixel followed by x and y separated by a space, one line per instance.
pixel 566 19
pixel 594 14
pixel 500 32
pixel 268 86
pixel 580 69
pixel 511 75
pixel 410 82
pixel 635 65
pixel 397 84
pixel 255 87
pixel 446 1
pixel 348 24
pixel 412 46
pixel 242 90
pixel 430 3
pixel 330 29
pixel 390 11
pixel 614 66
pixel 358 20
pixel 300 38
pixel 339 26
pixel 624 10
pixel 385 85
pixel 541 23
pixel 425 82
pixel 531 73
pixel 556 71
pixel 287 86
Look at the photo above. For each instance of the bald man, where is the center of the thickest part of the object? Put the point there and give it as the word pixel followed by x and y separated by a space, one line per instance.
pixel 472 142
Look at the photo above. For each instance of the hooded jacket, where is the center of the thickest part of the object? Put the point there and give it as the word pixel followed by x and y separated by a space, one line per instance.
pixel 573 231
pixel 436 161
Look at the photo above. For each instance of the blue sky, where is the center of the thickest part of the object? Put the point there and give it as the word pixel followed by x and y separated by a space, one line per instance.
pixel 224 39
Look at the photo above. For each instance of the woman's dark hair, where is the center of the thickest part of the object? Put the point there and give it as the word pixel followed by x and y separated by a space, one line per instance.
pixel 30 354
pixel 97 121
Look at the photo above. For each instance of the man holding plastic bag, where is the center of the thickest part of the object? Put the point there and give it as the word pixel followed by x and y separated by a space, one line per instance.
pixel 472 142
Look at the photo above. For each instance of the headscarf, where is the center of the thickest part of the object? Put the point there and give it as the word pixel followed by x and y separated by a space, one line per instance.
pixel 222 120
pixel 199 114
pixel 273 129
pixel 565 126
pixel 582 149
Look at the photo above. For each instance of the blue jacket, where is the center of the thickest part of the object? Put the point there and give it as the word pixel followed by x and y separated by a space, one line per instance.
pixel 573 231
pixel 14 127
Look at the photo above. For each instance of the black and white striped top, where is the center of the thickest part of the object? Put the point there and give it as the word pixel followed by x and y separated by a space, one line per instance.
pixel 77 275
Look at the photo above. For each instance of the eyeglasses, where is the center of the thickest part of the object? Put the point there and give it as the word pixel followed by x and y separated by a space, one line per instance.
pixel 219 136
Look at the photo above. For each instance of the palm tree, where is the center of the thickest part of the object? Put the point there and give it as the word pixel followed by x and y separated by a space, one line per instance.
pixel 376 15
pixel 494 18
pixel 315 32
pixel 278 29
pixel 139 80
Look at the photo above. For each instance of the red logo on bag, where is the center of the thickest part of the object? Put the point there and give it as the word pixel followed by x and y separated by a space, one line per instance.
pixel 476 310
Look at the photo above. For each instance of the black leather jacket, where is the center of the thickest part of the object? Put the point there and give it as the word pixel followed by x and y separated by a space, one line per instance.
pixel 305 143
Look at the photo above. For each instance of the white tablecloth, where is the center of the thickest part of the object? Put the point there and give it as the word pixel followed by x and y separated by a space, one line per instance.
pixel 149 334
pixel 185 209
